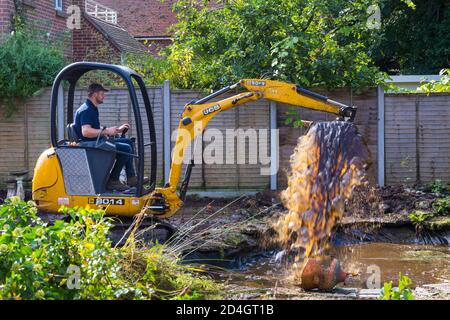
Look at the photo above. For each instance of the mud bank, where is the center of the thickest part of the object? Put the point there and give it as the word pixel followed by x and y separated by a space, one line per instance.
pixel 233 236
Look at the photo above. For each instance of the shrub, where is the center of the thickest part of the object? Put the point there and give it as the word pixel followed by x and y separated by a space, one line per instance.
pixel 419 217
pixel 75 260
pixel 35 257
pixel 441 207
pixel 27 64
pixel 437 186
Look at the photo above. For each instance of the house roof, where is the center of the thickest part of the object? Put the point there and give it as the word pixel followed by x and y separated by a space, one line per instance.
pixel 144 18
pixel 117 35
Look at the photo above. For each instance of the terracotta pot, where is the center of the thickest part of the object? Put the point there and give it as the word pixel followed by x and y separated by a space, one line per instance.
pixel 323 273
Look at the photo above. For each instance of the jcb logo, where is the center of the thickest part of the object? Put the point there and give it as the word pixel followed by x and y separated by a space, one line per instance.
pixel 256 83
pixel 211 109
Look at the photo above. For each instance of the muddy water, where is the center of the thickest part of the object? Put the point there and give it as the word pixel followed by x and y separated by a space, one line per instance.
pixel 327 164
pixel 423 264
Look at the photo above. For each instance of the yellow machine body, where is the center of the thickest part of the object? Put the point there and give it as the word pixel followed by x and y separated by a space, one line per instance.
pixel 50 194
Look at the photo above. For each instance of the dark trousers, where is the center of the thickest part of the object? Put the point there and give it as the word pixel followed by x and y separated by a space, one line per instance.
pixel 124 145
pixel 122 160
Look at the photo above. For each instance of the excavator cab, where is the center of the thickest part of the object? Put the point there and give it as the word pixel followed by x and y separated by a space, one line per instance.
pixel 72 174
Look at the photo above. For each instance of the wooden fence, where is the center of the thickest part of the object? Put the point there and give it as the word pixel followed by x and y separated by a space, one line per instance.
pixel 417 134
pixel 417 138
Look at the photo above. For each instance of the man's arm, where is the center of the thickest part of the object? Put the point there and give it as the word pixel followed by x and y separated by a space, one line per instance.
pixel 89 132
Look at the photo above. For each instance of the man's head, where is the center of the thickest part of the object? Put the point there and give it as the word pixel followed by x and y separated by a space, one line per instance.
pixel 96 93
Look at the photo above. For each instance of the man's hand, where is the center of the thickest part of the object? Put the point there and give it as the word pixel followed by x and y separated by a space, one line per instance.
pixel 111 131
pixel 123 127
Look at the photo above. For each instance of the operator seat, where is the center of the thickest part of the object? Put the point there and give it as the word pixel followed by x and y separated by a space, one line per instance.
pixel 86 169
pixel 72 133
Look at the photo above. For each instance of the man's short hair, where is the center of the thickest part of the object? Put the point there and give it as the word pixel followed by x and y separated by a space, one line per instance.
pixel 95 87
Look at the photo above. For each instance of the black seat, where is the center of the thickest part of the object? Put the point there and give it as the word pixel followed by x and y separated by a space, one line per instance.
pixel 72 133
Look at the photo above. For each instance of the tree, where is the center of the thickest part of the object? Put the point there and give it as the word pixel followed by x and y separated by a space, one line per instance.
pixel 414 39
pixel 314 43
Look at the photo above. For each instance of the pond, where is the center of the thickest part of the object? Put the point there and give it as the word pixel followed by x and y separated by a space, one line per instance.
pixel 422 263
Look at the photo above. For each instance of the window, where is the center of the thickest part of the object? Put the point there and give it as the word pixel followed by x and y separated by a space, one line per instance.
pixel 58 5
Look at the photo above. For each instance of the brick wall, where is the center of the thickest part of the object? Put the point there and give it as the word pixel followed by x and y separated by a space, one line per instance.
pixel 91 45
pixel 41 16
pixel 145 18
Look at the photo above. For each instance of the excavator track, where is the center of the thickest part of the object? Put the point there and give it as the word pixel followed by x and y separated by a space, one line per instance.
pixel 151 230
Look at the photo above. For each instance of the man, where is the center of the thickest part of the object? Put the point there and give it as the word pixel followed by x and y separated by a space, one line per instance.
pixel 87 126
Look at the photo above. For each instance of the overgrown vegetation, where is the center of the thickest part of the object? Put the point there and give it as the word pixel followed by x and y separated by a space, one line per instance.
pixel 403 292
pixel 441 207
pixel 315 43
pixel 27 63
pixel 75 260
pixel 437 186
pixel 413 38
pixel 438 217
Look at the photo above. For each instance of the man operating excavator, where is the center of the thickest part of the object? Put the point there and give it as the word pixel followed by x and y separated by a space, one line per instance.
pixel 87 127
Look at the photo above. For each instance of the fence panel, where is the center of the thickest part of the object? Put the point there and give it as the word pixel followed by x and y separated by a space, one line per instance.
pixel 417 138
pixel 417 135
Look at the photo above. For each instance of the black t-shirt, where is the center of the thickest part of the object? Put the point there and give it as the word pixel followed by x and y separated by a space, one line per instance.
pixel 87 113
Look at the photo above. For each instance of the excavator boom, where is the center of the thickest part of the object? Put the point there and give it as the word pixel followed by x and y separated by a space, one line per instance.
pixel 165 201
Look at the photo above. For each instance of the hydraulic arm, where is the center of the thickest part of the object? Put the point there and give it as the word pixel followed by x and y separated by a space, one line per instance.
pixel 165 201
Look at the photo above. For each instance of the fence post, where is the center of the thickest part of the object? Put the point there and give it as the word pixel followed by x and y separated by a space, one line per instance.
pixel 381 137
pixel 60 114
pixel 274 150
pixel 166 130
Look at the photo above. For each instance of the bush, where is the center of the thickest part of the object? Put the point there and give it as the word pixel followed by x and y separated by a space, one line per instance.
pixel 35 257
pixel 27 64
pixel 401 293
pixel 441 207
pixel 75 260
pixel 437 186
pixel 419 217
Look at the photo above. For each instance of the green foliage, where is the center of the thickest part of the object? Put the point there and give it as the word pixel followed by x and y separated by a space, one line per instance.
pixel 441 207
pixel 35 257
pixel 437 186
pixel 403 292
pixel 159 273
pixel 36 261
pixel 443 85
pixel 156 70
pixel 314 43
pixel 419 217
pixel 27 64
pixel 413 38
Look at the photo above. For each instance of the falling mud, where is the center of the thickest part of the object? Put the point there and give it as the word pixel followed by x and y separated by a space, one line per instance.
pixel 327 164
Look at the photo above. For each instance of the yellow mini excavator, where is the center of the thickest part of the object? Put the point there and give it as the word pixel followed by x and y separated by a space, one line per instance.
pixel 72 175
